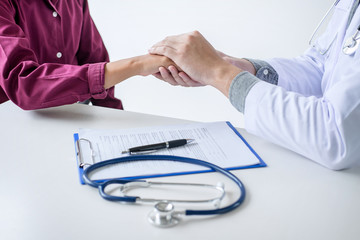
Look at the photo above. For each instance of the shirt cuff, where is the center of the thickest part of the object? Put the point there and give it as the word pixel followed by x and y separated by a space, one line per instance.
pixel 264 71
pixel 96 76
pixel 240 88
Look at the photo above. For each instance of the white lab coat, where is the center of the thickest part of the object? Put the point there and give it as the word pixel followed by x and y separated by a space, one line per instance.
pixel 315 109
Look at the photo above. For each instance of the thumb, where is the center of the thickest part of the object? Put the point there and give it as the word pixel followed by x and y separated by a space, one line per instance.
pixel 162 49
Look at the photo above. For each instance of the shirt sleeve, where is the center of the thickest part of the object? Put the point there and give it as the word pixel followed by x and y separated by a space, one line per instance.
pixel 264 71
pixel 244 81
pixel 93 50
pixel 239 89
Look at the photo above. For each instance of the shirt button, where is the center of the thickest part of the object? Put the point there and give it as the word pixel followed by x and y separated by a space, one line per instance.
pixel 266 72
pixel 55 14
pixel 59 55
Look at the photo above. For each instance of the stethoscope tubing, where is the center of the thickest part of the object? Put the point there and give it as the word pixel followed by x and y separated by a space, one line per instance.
pixel 102 185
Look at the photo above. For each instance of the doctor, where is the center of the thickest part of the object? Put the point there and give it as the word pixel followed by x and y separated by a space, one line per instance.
pixel 309 104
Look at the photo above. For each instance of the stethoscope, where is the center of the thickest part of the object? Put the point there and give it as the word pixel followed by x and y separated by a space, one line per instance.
pixel 164 213
pixel 351 44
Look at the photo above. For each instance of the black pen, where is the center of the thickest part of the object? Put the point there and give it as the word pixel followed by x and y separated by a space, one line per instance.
pixel 157 146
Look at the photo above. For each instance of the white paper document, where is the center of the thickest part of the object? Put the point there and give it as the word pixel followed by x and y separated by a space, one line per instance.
pixel 217 142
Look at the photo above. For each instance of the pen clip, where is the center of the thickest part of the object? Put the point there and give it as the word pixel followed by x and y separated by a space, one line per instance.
pixel 139 153
pixel 147 149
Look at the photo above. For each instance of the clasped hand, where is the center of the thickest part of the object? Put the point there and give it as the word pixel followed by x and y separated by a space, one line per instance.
pixel 198 60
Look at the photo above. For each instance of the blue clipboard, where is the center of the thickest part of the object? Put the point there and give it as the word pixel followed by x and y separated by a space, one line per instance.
pixel 260 164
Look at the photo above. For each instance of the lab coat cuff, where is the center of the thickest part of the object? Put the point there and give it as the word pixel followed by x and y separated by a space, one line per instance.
pixel 258 108
pixel 264 71
pixel 96 76
pixel 239 89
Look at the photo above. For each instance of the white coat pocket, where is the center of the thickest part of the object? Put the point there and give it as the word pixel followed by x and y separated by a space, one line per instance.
pixel 326 34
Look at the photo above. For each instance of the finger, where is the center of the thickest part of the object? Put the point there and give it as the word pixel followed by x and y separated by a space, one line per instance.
pixel 166 75
pixel 182 78
pixel 175 74
pixel 165 50
pixel 167 47
pixel 189 81
pixel 158 76
pixel 158 44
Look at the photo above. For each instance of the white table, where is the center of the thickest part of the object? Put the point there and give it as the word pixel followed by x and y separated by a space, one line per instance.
pixel 41 198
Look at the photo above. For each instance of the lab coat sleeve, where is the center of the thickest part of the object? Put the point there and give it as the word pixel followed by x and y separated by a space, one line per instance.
pixel 319 128
pixel 302 74
pixel 286 72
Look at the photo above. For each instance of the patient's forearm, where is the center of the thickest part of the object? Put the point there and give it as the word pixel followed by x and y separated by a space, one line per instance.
pixel 118 71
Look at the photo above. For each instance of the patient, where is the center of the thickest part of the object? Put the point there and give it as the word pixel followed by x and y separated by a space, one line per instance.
pixel 51 54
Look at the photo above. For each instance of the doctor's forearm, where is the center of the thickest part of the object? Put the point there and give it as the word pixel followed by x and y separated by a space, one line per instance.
pixel 243 82
pixel 242 63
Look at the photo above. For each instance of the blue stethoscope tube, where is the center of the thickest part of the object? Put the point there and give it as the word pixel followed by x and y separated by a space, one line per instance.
pixel 130 199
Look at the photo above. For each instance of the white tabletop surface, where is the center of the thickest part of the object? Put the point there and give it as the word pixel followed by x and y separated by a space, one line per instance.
pixel 41 198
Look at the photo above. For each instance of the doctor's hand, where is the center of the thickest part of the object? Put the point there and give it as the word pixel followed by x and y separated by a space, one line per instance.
pixel 198 59
pixel 175 77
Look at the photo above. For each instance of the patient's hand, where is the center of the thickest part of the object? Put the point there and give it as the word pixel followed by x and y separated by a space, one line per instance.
pixel 150 64
pixel 165 69
pixel 144 65
pixel 174 76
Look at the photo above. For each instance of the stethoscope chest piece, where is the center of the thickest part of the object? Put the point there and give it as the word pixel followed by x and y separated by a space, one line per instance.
pixel 163 215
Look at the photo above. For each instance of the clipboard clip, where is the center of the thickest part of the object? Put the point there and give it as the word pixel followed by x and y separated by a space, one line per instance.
pixel 79 153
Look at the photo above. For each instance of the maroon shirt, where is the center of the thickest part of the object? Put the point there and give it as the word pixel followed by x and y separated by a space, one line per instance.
pixel 51 54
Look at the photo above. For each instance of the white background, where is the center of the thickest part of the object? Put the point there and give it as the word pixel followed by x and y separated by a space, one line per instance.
pixel 242 28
